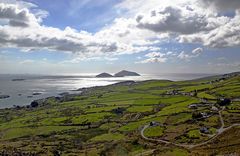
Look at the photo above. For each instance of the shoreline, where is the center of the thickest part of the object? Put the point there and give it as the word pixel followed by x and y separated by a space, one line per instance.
pixel 67 95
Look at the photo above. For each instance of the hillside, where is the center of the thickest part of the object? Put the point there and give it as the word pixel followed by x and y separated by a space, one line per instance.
pixel 134 118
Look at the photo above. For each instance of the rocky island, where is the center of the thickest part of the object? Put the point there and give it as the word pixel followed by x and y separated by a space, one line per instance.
pixel 104 75
pixel 126 73
pixel 122 73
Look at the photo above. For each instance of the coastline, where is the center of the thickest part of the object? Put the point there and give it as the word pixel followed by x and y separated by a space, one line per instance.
pixel 83 90
pixel 65 96
pixel 121 110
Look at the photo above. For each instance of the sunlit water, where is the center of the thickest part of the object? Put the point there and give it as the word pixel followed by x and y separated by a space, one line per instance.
pixel 21 92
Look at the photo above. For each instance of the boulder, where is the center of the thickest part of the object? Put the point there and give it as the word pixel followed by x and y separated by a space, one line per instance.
pixel 34 104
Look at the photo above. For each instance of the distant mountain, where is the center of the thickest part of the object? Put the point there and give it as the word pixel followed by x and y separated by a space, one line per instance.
pixel 102 75
pixel 126 73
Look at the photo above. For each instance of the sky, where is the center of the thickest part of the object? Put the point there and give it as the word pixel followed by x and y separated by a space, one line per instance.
pixel 92 36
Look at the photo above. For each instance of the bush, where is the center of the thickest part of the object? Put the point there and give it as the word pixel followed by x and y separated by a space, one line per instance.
pixel 223 102
pixel 196 115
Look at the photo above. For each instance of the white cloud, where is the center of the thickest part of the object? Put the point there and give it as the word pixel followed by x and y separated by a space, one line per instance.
pixel 184 55
pixel 159 57
pixel 153 60
pixel 226 35
pixel 188 21
pixel 144 25
pixel 173 19
pixel 197 51
pixel 156 57
pixel 155 54
pixel 16 17
pixel 34 36
pixel 121 37
pixel 187 56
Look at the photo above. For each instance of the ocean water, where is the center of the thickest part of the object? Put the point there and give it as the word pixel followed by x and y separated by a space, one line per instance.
pixel 21 92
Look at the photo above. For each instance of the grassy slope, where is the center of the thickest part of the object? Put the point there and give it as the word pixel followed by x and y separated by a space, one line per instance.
pixel 60 126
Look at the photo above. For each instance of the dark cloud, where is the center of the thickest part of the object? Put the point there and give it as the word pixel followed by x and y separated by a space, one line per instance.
pixel 173 20
pixel 222 5
pixel 15 16
pixel 15 23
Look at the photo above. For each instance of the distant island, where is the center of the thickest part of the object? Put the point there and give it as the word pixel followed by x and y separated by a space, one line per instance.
pixel 122 73
pixel 104 75
pixel 126 73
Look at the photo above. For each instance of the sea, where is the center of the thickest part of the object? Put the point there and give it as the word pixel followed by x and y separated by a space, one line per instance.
pixel 25 88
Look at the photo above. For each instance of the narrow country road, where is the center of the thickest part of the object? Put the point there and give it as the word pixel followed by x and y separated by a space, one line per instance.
pixel 221 120
pixel 189 146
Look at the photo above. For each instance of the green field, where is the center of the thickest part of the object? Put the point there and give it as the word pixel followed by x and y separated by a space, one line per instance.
pixel 107 120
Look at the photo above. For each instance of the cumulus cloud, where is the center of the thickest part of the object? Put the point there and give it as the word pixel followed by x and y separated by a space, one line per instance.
pixel 193 24
pixel 188 21
pixel 174 20
pixel 139 31
pixel 125 31
pixel 35 36
pixel 187 56
pixel 157 57
pixel 226 35
pixel 197 51
pixel 121 37
pixel 154 60
pixel 17 17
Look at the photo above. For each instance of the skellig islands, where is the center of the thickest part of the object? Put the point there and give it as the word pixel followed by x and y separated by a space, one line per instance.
pixel 122 73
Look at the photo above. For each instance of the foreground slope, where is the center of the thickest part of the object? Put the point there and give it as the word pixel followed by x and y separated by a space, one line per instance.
pixel 130 118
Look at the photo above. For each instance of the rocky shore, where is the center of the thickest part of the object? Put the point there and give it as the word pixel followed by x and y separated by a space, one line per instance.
pixel 4 96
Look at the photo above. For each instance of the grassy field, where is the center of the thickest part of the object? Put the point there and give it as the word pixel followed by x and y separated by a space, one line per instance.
pixel 107 120
pixel 156 131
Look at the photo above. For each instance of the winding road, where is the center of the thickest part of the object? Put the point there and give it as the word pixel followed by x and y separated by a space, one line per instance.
pixel 189 146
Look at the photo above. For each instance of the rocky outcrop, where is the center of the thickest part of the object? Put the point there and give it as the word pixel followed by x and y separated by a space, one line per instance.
pixel 4 96
pixel 34 104
pixel 37 93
